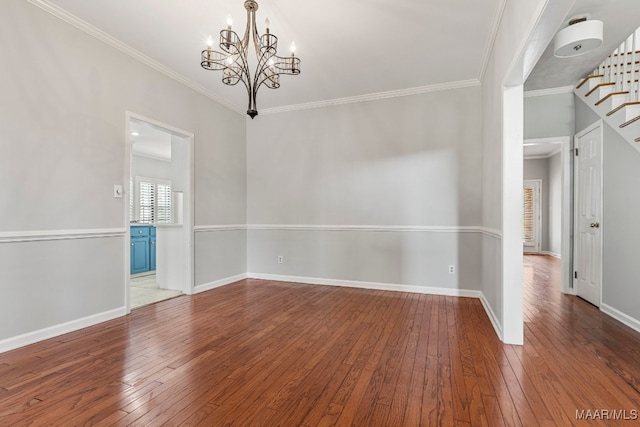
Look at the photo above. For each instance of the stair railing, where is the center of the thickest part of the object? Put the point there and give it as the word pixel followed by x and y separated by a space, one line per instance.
pixel 620 68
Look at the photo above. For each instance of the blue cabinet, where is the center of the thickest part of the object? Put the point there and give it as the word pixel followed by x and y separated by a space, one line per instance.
pixel 143 248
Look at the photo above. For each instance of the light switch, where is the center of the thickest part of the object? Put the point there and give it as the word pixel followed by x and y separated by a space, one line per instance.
pixel 117 191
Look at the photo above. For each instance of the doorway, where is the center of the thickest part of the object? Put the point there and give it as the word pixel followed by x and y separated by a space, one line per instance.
pixel 552 157
pixel 159 209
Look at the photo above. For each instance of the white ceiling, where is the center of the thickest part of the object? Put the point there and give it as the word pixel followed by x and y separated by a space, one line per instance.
pixel 620 17
pixel 347 47
pixel 541 151
pixel 148 140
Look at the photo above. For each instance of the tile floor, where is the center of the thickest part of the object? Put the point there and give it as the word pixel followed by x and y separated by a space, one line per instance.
pixel 145 290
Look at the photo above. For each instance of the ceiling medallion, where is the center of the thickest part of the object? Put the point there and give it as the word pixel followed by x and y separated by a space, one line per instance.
pixel 233 61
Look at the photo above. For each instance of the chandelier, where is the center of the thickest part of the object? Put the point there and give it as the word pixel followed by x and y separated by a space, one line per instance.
pixel 233 61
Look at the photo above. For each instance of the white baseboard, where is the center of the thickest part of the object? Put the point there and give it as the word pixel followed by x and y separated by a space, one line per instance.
pixel 218 283
pixel 553 254
pixel 369 285
pixel 621 317
pixel 57 330
pixel 492 316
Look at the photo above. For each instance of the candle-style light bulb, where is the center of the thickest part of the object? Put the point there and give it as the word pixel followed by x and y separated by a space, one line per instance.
pixel 229 21
pixel 267 24
pixel 210 42
pixel 293 48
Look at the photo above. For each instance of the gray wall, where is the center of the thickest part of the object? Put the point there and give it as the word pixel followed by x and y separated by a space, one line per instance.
pixel 549 116
pixel 621 234
pixel 412 161
pixel 62 148
pixel 621 210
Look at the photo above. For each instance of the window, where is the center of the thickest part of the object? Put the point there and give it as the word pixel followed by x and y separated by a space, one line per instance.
pixel 153 201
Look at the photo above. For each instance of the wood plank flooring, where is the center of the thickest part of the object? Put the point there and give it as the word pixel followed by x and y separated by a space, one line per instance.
pixel 277 354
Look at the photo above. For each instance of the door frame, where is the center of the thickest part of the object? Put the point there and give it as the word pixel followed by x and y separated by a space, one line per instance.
pixel 566 245
pixel 537 213
pixel 598 124
pixel 189 205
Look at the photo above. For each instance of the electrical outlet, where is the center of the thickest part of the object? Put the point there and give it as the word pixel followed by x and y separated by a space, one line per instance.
pixel 452 269
pixel 117 191
pixel 280 259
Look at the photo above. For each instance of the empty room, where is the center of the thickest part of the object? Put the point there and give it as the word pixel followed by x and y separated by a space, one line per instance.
pixel 278 213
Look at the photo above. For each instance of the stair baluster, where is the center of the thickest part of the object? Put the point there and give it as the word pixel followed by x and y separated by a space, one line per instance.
pixel 633 89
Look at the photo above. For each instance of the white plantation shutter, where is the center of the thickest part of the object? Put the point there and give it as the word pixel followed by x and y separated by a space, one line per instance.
pixel 527 216
pixel 147 201
pixel 163 203
pixel 154 201
pixel 131 201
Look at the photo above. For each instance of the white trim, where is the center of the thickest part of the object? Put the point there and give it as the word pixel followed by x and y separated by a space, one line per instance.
pixel 206 228
pixel 552 140
pixel 47 235
pixel 61 329
pixel 323 227
pixel 550 91
pixel 512 265
pixel 493 35
pixel 491 232
pixel 369 285
pixel 373 96
pixel 492 316
pixel 84 26
pixel 219 283
pixel 553 254
pixel 620 316
pixel 152 157
pixel 397 228
pixel 544 156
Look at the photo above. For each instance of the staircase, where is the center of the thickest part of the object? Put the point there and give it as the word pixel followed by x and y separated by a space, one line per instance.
pixel 612 90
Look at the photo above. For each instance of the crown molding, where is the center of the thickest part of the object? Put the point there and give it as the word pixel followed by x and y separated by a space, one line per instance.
pixel 84 26
pixel 373 96
pixel 493 35
pixel 550 91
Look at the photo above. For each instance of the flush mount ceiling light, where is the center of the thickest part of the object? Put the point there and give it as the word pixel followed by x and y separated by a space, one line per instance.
pixel 233 61
pixel 580 37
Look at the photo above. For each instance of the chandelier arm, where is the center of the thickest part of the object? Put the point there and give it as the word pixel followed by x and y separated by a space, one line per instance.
pixel 287 65
pixel 234 50
pixel 275 84
pixel 264 55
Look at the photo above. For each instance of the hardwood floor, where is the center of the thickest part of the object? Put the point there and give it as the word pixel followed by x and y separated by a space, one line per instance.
pixel 269 354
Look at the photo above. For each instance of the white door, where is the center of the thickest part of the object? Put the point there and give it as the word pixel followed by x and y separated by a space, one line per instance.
pixel 531 216
pixel 588 214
